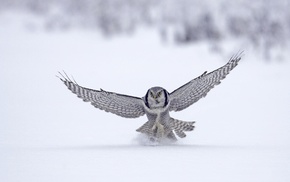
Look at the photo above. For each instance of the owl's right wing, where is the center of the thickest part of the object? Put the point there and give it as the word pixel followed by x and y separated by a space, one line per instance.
pixel 198 88
pixel 119 104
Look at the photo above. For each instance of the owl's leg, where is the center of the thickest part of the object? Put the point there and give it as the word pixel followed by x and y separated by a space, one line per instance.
pixel 147 129
pixel 158 130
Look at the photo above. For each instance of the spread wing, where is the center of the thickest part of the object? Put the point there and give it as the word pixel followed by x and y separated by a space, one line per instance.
pixel 197 88
pixel 119 104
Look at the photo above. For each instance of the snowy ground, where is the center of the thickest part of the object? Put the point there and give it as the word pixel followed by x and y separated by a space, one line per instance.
pixel 48 134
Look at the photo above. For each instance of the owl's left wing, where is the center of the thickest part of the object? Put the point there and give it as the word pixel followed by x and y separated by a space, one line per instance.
pixel 119 104
pixel 197 88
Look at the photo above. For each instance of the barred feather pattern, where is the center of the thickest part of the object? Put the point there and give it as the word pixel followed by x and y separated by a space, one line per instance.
pixel 180 126
pixel 155 129
pixel 121 105
pixel 146 128
pixel 160 124
pixel 177 126
pixel 198 88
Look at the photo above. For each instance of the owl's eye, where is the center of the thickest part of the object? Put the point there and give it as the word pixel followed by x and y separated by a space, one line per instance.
pixel 158 94
pixel 151 94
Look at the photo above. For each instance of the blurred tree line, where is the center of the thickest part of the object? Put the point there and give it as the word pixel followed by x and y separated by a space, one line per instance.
pixel 265 24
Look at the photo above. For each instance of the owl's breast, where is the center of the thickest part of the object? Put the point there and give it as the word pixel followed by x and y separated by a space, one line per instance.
pixel 161 117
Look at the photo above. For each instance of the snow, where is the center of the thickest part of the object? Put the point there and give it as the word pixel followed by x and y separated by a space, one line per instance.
pixel 48 134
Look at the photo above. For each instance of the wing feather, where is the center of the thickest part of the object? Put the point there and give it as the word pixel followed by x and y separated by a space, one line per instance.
pixel 119 104
pixel 198 88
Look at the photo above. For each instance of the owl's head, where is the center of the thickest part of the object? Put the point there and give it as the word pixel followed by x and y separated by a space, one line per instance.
pixel 156 97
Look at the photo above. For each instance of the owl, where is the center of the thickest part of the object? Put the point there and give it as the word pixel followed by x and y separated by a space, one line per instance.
pixel 157 102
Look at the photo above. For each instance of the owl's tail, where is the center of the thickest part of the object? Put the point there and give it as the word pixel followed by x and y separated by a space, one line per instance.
pixel 180 127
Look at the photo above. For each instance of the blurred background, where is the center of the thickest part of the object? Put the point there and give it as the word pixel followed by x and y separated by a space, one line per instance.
pixel 263 25
pixel 127 46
